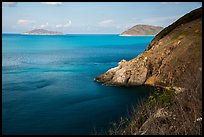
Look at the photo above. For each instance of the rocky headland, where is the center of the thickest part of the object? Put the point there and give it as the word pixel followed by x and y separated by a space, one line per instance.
pixel 172 64
pixel 172 57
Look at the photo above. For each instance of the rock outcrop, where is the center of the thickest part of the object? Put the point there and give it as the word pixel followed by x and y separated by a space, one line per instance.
pixel 139 30
pixel 172 57
pixel 127 73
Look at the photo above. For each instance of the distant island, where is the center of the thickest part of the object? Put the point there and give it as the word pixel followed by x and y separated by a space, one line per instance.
pixel 42 32
pixel 142 30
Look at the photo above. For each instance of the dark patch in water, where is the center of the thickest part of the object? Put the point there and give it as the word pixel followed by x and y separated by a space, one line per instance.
pixel 28 85
pixel 85 100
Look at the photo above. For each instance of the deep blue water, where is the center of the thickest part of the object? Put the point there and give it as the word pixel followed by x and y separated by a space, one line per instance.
pixel 48 83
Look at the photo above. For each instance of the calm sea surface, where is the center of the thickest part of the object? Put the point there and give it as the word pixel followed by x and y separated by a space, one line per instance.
pixel 48 83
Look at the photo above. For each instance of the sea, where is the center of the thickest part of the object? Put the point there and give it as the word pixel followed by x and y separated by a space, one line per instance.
pixel 48 85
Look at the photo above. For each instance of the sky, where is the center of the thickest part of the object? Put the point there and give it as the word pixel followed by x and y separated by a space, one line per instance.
pixel 90 17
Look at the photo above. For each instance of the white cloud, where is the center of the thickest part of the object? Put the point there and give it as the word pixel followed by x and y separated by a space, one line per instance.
pixel 52 3
pixel 106 23
pixel 68 23
pixel 34 27
pixel 44 25
pixel 24 22
pixel 10 4
pixel 58 25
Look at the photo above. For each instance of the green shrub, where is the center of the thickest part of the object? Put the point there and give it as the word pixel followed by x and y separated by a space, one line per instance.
pixel 166 98
pixel 163 97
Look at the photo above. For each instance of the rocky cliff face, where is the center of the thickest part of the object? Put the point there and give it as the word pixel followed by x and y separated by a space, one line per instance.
pixel 173 57
pixel 142 30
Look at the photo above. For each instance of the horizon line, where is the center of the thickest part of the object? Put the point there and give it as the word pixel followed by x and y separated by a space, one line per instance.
pixel 62 34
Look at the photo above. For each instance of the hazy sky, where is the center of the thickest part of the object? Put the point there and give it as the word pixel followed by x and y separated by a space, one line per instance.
pixel 90 17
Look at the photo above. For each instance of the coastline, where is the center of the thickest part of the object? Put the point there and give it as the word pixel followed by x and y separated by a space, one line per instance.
pixel 124 35
pixel 166 65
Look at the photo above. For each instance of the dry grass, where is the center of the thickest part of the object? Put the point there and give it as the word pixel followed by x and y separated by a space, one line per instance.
pixel 183 116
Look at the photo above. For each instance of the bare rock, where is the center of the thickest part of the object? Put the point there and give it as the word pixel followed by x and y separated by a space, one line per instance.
pixel 127 73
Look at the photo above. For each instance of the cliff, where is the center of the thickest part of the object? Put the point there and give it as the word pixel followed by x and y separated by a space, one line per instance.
pixel 172 58
pixel 140 30
pixel 172 64
pixel 42 32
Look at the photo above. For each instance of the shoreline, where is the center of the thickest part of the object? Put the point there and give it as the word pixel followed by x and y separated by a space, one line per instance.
pixel 126 35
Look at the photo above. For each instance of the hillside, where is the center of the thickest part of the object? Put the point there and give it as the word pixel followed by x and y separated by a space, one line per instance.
pixel 140 30
pixel 42 32
pixel 173 60
pixel 169 59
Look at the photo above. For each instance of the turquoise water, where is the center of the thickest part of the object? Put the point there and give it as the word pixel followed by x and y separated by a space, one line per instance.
pixel 48 83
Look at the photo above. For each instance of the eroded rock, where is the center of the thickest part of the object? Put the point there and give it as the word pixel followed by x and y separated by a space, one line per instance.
pixel 127 73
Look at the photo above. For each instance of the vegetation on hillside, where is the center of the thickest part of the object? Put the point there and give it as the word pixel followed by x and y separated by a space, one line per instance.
pixel 165 113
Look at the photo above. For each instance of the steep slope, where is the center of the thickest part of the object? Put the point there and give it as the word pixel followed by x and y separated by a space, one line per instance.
pixel 172 63
pixel 142 30
pixel 172 58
